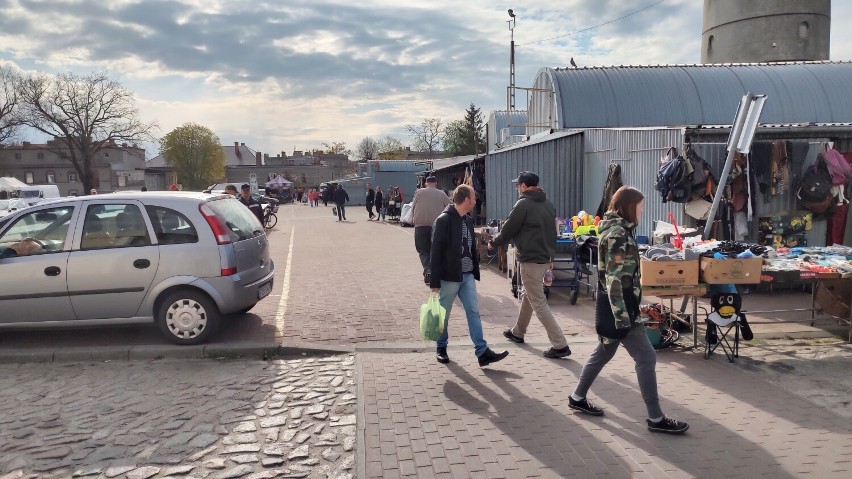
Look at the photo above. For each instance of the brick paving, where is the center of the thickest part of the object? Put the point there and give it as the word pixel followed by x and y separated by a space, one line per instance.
pixel 424 419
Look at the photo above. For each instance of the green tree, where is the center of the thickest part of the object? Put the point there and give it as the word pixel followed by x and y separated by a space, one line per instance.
pixel 391 148
pixel 466 137
pixel 196 155
pixel 88 112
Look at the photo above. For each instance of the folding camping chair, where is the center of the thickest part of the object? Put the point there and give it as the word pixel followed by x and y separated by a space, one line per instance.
pixel 723 318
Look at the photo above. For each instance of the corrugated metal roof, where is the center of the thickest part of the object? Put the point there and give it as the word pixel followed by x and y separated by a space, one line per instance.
pixel 677 95
pixel 443 163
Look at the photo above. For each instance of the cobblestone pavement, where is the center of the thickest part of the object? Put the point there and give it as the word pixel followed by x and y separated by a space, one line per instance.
pixel 192 419
pixel 424 419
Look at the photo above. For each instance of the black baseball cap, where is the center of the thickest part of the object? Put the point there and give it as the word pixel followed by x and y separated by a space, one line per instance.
pixel 245 186
pixel 527 177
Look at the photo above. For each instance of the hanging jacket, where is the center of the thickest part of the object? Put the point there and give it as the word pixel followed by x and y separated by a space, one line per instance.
pixel 613 183
pixel 618 264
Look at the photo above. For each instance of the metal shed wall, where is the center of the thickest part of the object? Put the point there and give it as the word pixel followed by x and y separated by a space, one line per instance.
pixel 638 152
pixel 675 95
pixel 500 119
pixel 557 160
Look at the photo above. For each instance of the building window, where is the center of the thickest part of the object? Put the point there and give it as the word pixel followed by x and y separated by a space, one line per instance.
pixel 710 43
pixel 72 177
pixel 28 177
pixel 17 156
pixel 40 156
pixel 804 30
pixel 106 154
pixel 50 177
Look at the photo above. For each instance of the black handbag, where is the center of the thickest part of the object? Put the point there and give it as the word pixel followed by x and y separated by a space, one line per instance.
pixel 604 319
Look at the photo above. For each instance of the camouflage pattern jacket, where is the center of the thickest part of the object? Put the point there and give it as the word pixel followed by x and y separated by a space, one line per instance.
pixel 618 264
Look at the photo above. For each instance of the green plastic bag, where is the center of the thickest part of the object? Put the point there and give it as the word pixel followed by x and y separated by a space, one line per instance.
pixel 433 318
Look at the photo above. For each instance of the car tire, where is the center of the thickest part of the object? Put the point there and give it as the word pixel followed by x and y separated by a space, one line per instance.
pixel 188 317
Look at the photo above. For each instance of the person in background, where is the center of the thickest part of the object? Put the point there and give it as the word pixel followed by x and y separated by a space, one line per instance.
pixel 380 208
pixel 455 271
pixel 617 310
pixel 340 199
pixel 93 191
pixel 231 190
pixel 371 199
pixel 144 188
pixel 427 204
pixel 252 204
pixel 299 193
pixel 530 227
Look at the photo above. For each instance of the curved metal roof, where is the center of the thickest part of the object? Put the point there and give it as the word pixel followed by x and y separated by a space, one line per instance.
pixel 677 95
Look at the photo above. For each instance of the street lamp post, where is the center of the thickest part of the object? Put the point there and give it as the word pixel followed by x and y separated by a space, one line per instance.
pixel 512 60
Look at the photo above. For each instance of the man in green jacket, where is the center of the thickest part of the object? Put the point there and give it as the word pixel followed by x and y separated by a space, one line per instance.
pixel 531 225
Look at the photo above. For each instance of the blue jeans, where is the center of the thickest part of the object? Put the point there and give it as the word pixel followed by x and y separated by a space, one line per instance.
pixel 466 292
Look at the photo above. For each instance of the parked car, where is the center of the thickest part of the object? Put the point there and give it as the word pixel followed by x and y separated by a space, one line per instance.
pixel 34 194
pixel 181 260
pixel 12 205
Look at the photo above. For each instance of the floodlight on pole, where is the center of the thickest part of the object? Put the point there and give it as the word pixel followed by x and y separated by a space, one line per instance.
pixel 511 92
pixel 739 141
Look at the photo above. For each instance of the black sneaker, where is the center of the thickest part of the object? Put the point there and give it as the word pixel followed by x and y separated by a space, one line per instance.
pixel 427 278
pixel 585 406
pixel 668 426
pixel 558 353
pixel 511 337
pixel 490 356
pixel 442 356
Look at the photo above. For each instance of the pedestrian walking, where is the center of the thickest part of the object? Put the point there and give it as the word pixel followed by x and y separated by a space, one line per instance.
pixel 252 204
pixel 427 204
pixel 617 310
pixel 340 199
pixel 380 206
pixel 299 193
pixel 531 227
pixel 455 270
pixel 371 199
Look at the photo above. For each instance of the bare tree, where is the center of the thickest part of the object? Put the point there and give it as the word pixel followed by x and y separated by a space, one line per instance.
pixel 367 149
pixel 337 147
pixel 427 135
pixel 88 112
pixel 10 118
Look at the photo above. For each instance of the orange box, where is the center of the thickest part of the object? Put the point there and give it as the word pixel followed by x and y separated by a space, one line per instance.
pixel 731 271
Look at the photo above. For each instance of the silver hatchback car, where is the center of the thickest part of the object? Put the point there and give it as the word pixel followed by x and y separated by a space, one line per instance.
pixel 180 260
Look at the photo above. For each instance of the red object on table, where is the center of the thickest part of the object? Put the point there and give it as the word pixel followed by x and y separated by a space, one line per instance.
pixel 677 241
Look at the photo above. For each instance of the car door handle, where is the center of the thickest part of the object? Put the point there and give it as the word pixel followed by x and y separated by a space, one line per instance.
pixel 52 271
pixel 141 263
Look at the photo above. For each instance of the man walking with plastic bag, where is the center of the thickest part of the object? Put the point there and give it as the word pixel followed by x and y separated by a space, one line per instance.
pixel 531 226
pixel 455 270
pixel 427 204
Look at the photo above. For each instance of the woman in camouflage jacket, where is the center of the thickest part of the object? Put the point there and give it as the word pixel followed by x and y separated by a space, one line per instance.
pixel 617 311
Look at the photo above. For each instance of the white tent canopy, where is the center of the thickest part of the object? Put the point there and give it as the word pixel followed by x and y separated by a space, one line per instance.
pixel 7 183
pixel 278 182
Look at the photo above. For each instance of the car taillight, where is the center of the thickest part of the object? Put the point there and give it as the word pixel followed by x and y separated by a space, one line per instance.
pixel 229 271
pixel 217 224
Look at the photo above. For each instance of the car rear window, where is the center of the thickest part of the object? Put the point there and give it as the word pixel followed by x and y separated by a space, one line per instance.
pixel 242 223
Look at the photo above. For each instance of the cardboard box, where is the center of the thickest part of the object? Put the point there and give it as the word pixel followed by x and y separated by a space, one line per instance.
pixel 833 297
pixel 668 273
pixel 731 271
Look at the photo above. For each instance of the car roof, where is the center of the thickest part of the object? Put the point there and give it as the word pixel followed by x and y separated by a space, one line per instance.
pixel 140 195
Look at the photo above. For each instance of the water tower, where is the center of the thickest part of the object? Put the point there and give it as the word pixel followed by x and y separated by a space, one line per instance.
pixel 754 31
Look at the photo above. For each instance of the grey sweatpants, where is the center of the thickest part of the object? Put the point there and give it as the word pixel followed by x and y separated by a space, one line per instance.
pixel 639 346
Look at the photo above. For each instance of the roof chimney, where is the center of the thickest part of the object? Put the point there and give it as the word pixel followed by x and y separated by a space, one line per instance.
pixel 237 148
pixel 258 161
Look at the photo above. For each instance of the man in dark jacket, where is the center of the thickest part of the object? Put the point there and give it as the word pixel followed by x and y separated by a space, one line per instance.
pixel 531 225
pixel 371 198
pixel 252 204
pixel 455 270
pixel 340 199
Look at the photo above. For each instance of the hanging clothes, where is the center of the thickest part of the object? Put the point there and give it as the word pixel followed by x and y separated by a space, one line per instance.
pixel 613 183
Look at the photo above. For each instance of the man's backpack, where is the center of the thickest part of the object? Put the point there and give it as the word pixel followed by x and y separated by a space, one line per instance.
pixel 674 178
pixel 816 183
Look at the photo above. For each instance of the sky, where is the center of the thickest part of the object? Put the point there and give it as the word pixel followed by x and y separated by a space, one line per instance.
pixel 280 75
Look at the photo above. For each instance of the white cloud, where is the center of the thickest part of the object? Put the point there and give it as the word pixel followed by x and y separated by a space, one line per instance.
pixel 281 74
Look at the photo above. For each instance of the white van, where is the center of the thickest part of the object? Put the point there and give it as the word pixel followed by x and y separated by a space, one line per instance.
pixel 33 194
